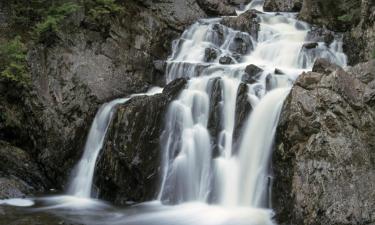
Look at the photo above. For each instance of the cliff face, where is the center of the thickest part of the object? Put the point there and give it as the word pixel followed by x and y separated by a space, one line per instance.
pixel 88 64
pixel 324 159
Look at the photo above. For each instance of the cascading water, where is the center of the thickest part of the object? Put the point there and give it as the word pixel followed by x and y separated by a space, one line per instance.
pixel 192 170
pixel 81 183
pixel 209 175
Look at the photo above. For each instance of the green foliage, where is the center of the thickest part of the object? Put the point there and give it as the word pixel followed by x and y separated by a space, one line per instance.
pixel 102 9
pixel 13 61
pixel 46 30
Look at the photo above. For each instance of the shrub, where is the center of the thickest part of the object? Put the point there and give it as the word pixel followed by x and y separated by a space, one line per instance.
pixel 46 30
pixel 13 61
pixel 101 9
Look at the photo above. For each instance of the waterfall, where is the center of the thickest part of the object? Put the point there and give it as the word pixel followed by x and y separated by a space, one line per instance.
pixel 81 182
pixel 202 165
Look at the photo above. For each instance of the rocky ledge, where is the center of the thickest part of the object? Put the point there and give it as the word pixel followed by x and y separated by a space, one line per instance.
pixel 324 162
pixel 128 168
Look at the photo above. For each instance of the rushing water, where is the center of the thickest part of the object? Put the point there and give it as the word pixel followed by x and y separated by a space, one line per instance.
pixel 209 176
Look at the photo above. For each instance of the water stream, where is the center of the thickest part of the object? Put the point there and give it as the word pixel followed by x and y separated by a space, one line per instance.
pixel 209 176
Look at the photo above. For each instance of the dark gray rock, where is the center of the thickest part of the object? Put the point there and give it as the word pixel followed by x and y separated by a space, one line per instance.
pixel 317 34
pixel 247 22
pixel 310 45
pixel 217 7
pixel 215 114
pixel 226 60
pixel 243 110
pixel 241 44
pixel 324 158
pixel 251 74
pixel 282 5
pixel 210 54
pixel 128 168
pixel 324 66
pixel 19 173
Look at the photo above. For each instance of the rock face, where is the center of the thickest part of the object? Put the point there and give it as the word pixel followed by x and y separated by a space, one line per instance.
pixel 282 5
pixel 88 65
pixel 324 158
pixel 19 173
pixel 217 7
pixel 128 168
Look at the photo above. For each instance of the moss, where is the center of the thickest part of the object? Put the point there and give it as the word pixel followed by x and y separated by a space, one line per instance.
pixel 102 9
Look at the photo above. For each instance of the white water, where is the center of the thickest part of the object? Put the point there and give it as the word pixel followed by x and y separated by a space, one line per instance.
pixel 191 170
pixel 199 186
pixel 81 184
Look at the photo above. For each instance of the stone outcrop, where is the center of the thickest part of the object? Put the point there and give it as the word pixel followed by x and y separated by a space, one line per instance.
pixel 282 5
pixel 324 157
pixel 217 7
pixel 247 22
pixel 19 173
pixel 128 168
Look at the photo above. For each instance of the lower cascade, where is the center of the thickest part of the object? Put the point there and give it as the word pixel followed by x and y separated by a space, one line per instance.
pixel 219 132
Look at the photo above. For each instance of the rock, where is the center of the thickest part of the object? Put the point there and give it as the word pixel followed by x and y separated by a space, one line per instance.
pixel 251 74
pixel 128 168
pixel 91 63
pixel 310 45
pixel 217 32
pixel 271 82
pixel 241 44
pixel 324 66
pixel 279 72
pixel 323 162
pixel 247 22
pixel 365 72
pixel 215 114
pixel 210 54
pixel 19 173
pixel 243 110
pixel 226 60
pixel 282 5
pixel 317 34
pixel 217 7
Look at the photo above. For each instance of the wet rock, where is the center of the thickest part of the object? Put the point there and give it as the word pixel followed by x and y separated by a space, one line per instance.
pixel 247 22
pixel 226 60
pixel 271 82
pixel 282 5
pixel 19 173
pixel 323 162
pixel 310 45
pixel 210 54
pixel 128 168
pixel 317 34
pixel 217 34
pixel 278 72
pixel 241 44
pixel 243 110
pixel 251 74
pixel 214 120
pixel 217 7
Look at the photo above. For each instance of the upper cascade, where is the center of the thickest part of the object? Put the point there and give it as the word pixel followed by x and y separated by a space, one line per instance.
pixel 256 53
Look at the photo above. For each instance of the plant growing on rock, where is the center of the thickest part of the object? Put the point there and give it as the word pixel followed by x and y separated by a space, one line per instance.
pixel 13 61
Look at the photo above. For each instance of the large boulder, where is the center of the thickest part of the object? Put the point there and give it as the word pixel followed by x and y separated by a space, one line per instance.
pixel 247 22
pixel 324 159
pixel 19 173
pixel 128 168
pixel 282 5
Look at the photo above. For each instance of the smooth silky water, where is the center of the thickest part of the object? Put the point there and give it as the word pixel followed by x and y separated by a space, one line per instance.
pixel 198 186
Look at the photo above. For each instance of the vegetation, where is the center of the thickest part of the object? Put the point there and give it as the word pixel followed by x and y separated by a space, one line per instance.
pixel 13 62
pixel 102 9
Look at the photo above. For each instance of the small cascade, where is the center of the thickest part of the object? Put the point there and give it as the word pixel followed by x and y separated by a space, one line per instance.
pixel 200 161
pixel 81 182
